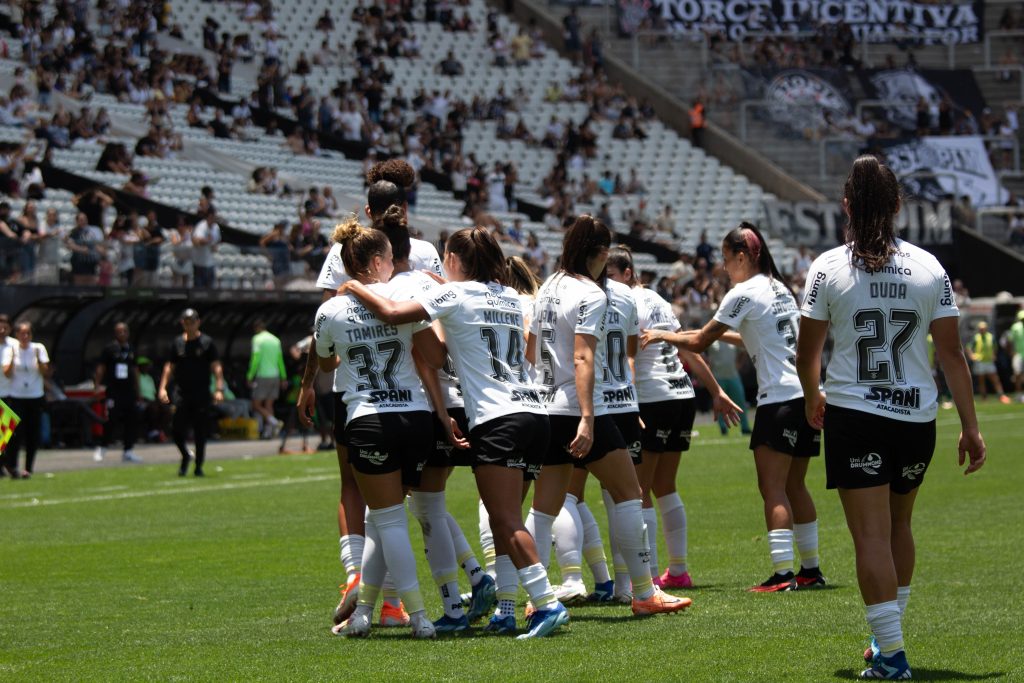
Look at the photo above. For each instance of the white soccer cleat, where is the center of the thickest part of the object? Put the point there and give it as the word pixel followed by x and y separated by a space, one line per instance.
pixel 356 626
pixel 422 627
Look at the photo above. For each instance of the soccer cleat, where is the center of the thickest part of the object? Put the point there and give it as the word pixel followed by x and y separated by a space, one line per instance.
pixel 809 577
pixel 356 626
pixel 129 456
pixel 1005 400
pixel 544 621
pixel 873 652
pixel 603 592
pixel 624 598
pixel 659 603
pixel 482 600
pixel 349 597
pixel 776 583
pixel 670 580
pixel 421 625
pixel 394 616
pixel 501 625
pixel 447 624
pixel 894 668
pixel 656 580
pixel 573 593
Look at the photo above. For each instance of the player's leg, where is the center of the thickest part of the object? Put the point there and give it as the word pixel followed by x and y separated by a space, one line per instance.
pixel 673 520
pixel 428 506
pixel 772 475
pixel 567 532
pixel 805 524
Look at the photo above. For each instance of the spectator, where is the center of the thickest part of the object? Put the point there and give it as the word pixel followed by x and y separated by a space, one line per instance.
pixel 147 255
pixel 521 45
pixel 85 242
pixel 705 250
pixel 535 256
pixel 117 367
pixel 276 244
pixel 266 376
pixel 450 66
pixel 51 236
pixel 25 365
pixel 571 32
pixel 698 122
pixel 205 240
pixel 136 184
pixel 180 240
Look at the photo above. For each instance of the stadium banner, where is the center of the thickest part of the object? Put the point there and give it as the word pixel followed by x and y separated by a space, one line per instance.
pixel 873 21
pixel 820 224
pixel 800 99
pixel 906 87
pixel 935 168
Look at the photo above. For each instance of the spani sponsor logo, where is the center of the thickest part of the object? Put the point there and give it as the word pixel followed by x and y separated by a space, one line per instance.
pixel 895 400
pixel 868 464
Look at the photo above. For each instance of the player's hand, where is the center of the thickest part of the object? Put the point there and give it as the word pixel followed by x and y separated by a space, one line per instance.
pixel 218 396
pixel 345 287
pixel 435 277
pixel 164 398
pixel 814 410
pixel 584 441
pixel 305 403
pixel 648 337
pixel 972 447
pixel 455 436
pixel 723 407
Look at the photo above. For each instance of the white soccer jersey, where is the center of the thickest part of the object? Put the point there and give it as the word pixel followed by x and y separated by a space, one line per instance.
pixel 880 324
pixel 410 285
pixel 567 306
pixel 5 383
pixel 765 314
pixel 422 256
pixel 621 323
pixel 483 328
pixel 377 372
pixel 660 375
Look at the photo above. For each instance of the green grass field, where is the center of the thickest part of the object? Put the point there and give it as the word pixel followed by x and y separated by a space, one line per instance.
pixel 135 574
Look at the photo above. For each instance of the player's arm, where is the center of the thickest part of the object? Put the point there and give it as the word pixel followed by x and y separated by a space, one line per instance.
pixel 809 344
pixel 432 385
pixel 695 341
pixel 165 377
pixel 632 347
pixel 386 310
pixel 306 399
pixel 430 347
pixel 721 404
pixel 218 376
pixel 732 337
pixel 584 346
pixel 254 361
pixel 949 352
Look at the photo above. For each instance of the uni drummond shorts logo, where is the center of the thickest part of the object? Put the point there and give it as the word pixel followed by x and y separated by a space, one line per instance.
pixel 914 471
pixel 790 435
pixel 375 457
pixel 869 463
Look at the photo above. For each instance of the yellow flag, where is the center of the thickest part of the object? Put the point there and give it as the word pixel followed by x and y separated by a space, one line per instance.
pixel 8 423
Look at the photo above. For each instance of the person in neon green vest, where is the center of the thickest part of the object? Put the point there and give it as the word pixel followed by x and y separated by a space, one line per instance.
pixel 1013 339
pixel 982 351
pixel 266 376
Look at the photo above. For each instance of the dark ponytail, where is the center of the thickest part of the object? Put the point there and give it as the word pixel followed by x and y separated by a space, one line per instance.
pixel 748 239
pixel 621 257
pixel 481 257
pixel 392 223
pixel 584 240
pixel 872 195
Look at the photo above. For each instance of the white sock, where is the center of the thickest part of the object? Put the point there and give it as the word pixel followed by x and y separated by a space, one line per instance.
pixel 902 597
pixel 780 547
pixel 486 538
pixel 393 530
pixel 389 591
pixel 539 525
pixel 351 553
pixel 535 583
pixel 622 581
pixel 593 545
pixel 463 553
pixel 651 520
pixel 884 621
pixel 632 534
pixel 567 531
pixel 429 508
pixel 673 520
pixel 507 581
pixel 374 568
pixel 806 536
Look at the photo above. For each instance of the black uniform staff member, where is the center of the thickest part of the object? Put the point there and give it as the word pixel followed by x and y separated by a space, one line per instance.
pixel 118 368
pixel 191 359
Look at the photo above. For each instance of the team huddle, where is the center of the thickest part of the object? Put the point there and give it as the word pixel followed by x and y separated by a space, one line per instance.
pixel 536 386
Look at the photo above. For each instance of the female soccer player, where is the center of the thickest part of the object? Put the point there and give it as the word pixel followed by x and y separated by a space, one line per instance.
pixel 881 296
pixel 388 419
pixel 566 338
pixel 483 324
pixel 764 312
pixel 667 409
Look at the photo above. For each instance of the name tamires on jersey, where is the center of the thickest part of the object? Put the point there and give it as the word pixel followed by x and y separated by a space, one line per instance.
pixel 376 371
pixel 765 314
pixel 621 323
pixel 483 325
pixel 880 322
pixel 567 306
pixel 660 375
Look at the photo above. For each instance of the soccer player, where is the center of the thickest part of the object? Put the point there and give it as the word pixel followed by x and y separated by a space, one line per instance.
pixel 763 311
pixel 567 338
pixel 1015 347
pixel 387 420
pixel 881 295
pixel 483 323
pixel 667 409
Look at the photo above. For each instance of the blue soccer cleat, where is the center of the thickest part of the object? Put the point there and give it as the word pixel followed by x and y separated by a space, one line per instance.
pixel 483 599
pixel 447 624
pixel 893 668
pixel 543 621
pixel 501 625
pixel 603 592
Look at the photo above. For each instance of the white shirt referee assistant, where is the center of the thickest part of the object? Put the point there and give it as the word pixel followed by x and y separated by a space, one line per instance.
pixel 27 381
pixel 879 322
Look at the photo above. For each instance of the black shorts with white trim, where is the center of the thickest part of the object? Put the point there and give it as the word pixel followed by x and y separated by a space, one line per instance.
pixel 628 425
pixel 783 427
pixel 607 438
pixel 445 454
pixel 668 425
pixel 385 442
pixel 517 441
